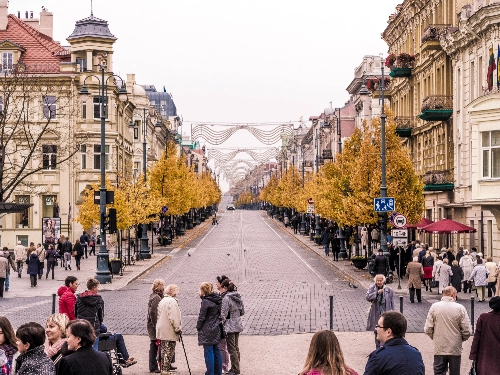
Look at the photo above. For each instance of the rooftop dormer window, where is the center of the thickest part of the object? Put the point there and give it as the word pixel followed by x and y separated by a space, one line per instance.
pixel 7 62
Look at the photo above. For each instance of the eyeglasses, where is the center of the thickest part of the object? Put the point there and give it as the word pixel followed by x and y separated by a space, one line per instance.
pixel 377 326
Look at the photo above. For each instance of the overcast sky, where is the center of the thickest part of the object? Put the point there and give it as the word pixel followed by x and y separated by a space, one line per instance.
pixel 235 60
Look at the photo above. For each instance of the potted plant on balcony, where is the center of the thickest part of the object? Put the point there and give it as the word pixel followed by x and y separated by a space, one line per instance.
pixel 359 261
pixel 373 84
pixel 401 66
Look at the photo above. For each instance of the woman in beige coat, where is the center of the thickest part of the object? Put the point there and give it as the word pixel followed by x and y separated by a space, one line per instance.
pixel 168 326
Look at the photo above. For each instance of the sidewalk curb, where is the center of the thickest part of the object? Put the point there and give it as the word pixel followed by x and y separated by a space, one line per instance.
pixel 193 235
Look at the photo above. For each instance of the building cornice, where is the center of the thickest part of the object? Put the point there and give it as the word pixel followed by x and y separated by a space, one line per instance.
pixel 483 24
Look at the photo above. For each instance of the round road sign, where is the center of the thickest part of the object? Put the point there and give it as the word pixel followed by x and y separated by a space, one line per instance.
pixel 400 221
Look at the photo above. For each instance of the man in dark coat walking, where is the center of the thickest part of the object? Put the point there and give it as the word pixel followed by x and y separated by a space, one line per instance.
pixel 381 264
pixel 325 240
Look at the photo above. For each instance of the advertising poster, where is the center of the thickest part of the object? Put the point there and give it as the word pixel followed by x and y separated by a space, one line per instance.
pixel 51 229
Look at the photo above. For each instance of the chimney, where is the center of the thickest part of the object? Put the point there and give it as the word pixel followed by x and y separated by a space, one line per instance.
pixel 46 23
pixel 4 12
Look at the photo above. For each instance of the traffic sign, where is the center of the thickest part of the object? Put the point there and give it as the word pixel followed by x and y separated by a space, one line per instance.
pixel 164 209
pixel 310 201
pixel 310 208
pixel 384 204
pixel 400 221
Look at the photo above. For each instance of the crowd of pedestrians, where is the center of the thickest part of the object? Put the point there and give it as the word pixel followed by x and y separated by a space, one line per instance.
pixel 219 325
pixel 39 261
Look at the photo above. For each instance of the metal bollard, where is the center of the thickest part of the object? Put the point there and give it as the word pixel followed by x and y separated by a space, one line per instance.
pixel 331 312
pixel 401 304
pixel 53 303
pixel 472 313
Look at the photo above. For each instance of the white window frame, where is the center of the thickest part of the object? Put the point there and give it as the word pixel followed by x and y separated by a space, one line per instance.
pixel 7 62
pixel 52 165
pixel 488 150
pixel 83 154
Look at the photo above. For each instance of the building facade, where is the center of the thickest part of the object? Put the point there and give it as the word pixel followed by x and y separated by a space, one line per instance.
pixel 421 99
pixel 473 48
pixel 66 157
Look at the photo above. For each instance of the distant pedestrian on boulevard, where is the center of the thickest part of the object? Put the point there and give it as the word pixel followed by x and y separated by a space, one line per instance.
pixel 10 263
pixel 395 356
pixel 448 325
pixel 50 255
pixel 381 266
pixel 20 255
pixel 415 273
pixel 325 356
pixel 325 240
pixel 382 300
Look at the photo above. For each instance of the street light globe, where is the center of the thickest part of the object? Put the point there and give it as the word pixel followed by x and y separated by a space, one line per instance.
pixel 84 93
pixel 122 94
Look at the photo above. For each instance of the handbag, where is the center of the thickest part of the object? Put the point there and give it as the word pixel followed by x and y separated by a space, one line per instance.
pixel 74 253
pixel 472 370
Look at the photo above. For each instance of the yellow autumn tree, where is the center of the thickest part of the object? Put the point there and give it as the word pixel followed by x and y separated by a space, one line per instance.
pixel 356 177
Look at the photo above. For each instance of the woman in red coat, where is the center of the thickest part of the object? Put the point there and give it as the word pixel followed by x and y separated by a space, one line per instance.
pixel 486 343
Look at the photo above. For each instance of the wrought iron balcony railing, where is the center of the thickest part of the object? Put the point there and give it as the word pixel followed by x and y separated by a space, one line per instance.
pixel 327 154
pixel 437 102
pixel 434 32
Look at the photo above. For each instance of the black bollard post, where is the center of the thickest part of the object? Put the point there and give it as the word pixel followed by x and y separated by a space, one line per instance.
pixel 331 313
pixel 472 313
pixel 401 304
pixel 53 303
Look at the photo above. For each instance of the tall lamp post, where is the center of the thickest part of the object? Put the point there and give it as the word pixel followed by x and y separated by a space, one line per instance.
pixel 102 274
pixel 325 127
pixel 383 186
pixel 146 116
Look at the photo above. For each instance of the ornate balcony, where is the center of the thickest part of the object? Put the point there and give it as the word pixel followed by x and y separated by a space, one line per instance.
pixel 432 33
pixel 438 181
pixel 437 108
pixel 327 154
pixel 404 125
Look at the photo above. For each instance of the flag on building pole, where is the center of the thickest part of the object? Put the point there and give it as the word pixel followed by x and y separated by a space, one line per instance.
pixel 498 67
pixel 491 68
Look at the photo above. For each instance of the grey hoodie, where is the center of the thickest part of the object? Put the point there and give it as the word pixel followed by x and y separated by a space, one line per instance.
pixel 231 311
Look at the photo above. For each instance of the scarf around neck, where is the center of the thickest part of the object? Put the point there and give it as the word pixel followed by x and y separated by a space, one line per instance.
pixel 52 349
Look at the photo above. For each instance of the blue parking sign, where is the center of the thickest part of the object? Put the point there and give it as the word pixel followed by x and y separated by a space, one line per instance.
pixel 387 204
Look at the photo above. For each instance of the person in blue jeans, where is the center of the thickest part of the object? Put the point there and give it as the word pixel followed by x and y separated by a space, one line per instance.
pixel 325 240
pixel 209 328
pixel 121 348
pixel 10 263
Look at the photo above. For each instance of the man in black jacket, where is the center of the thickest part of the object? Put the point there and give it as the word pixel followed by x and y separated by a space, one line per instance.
pixel 84 242
pixel 66 249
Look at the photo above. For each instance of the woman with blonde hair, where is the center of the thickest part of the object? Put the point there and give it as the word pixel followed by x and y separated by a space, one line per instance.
pixel 325 356
pixel 56 345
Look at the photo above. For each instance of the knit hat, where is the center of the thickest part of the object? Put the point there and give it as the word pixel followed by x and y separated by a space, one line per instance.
pixel 495 303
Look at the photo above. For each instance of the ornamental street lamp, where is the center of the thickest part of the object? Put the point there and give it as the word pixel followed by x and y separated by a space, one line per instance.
pixel 102 274
pixel 383 186
pixel 325 127
pixel 144 252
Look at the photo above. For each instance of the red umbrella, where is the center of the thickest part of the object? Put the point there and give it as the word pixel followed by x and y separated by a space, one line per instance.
pixel 447 226
pixel 423 222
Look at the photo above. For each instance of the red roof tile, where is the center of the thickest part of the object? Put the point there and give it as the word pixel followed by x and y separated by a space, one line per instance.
pixel 41 55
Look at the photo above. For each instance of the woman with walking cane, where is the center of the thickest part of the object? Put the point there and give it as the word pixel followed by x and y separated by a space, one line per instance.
pixel 168 327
